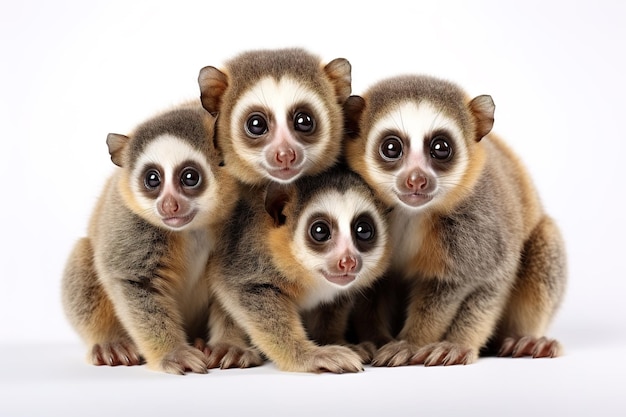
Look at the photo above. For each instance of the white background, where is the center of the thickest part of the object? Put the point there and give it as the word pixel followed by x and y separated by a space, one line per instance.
pixel 73 71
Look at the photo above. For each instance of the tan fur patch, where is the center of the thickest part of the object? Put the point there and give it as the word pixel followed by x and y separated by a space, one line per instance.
pixel 429 261
pixel 296 278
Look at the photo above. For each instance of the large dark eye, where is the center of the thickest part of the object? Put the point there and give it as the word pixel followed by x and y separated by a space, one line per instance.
pixel 256 125
pixel 303 122
pixel 320 231
pixel 391 148
pixel 440 148
pixel 364 230
pixel 152 180
pixel 190 177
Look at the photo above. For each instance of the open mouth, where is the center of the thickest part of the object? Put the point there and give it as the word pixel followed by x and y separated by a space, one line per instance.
pixel 415 199
pixel 177 222
pixel 342 280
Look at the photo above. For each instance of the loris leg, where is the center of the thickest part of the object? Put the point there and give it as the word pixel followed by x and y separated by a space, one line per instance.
pixel 90 311
pixel 228 345
pixel 537 293
pixel 430 310
pixel 146 296
pixel 273 323
pixel 446 325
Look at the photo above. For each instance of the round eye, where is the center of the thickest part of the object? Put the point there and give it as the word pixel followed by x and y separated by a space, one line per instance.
pixel 391 148
pixel 320 231
pixel 303 122
pixel 256 125
pixel 152 180
pixel 364 230
pixel 190 177
pixel 440 148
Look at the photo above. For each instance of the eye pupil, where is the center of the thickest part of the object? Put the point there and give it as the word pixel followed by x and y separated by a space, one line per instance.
pixel 256 125
pixel 391 148
pixel 303 122
pixel 190 177
pixel 364 231
pixel 320 231
pixel 440 148
pixel 152 179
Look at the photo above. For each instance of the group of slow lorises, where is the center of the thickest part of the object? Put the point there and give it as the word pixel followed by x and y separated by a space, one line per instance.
pixel 281 218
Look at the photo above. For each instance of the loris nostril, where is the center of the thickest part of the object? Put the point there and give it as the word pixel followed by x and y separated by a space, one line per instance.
pixel 286 157
pixel 169 206
pixel 417 182
pixel 348 264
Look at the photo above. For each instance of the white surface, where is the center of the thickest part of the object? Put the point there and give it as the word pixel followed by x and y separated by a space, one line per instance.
pixel 48 381
pixel 74 71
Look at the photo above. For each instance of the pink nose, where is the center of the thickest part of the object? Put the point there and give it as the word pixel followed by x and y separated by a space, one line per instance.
pixel 169 205
pixel 347 264
pixel 285 157
pixel 417 181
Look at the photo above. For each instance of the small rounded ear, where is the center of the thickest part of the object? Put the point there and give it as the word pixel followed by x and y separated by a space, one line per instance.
pixel 276 198
pixel 116 144
pixel 339 71
pixel 483 108
pixel 352 110
pixel 213 84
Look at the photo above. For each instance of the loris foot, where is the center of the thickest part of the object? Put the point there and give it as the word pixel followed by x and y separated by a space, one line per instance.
pixel 530 346
pixel 226 355
pixel 330 358
pixel 396 353
pixel 115 353
pixel 444 353
pixel 400 353
pixel 182 359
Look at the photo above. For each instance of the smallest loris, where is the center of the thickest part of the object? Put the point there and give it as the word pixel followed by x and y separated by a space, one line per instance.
pixel 306 245
pixel 135 288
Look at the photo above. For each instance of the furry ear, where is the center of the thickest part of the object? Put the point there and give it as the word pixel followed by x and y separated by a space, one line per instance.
pixel 483 108
pixel 276 198
pixel 339 71
pixel 116 144
pixel 213 83
pixel 352 110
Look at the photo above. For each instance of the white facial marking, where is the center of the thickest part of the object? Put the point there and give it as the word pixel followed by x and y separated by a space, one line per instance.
pixel 168 153
pixel 415 121
pixel 281 97
pixel 343 208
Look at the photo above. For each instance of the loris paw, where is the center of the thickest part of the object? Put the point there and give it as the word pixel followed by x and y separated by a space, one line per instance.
pixel 115 353
pixel 182 359
pixel 396 353
pixel 444 353
pixel 530 346
pixel 400 353
pixel 331 358
pixel 226 355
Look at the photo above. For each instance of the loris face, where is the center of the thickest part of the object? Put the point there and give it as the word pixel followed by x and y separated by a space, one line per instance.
pixel 415 154
pixel 279 113
pixel 341 239
pixel 282 129
pixel 172 184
